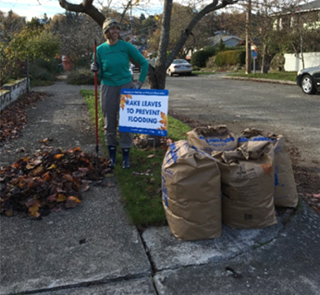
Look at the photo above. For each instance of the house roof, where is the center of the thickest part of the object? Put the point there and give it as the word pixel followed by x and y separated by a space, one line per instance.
pixel 307 7
pixel 314 5
pixel 216 39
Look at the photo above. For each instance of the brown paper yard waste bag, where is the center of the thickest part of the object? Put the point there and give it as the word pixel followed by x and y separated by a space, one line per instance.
pixel 191 192
pixel 285 189
pixel 247 185
pixel 212 138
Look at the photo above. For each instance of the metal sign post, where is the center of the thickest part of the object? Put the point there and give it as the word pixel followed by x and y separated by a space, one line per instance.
pixel 254 57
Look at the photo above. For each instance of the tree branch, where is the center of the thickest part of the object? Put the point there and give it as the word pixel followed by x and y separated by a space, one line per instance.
pixel 188 31
pixel 85 7
pixel 165 32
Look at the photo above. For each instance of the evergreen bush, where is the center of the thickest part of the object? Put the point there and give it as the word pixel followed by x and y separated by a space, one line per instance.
pixel 230 57
pixel 199 58
pixel 81 77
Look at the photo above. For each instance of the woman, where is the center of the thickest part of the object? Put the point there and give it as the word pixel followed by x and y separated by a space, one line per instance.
pixel 113 60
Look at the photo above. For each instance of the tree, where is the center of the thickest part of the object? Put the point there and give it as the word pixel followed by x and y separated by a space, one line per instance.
pixel 11 25
pixel 77 33
pixel 261 31
pixel 32 43
pixel 157 74
pixel 149 25
pixel 300 29
pixel 142 17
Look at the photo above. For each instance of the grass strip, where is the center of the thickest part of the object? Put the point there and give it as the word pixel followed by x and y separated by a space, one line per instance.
pixel 285 76
pixel 204 73
pixel 140 185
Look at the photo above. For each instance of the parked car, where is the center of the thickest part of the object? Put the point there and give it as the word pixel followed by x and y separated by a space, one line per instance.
pixel 309 80
pixel 131 72
pixel 179 66
pixel 134 68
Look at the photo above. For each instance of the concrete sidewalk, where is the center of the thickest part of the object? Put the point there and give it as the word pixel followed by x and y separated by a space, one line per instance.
pixel 93 249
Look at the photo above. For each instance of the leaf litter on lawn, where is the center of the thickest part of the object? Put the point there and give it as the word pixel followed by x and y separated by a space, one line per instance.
pixel 49 180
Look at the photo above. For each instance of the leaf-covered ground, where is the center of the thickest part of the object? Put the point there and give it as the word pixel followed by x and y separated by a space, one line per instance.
pixel 49 180
pixel 13 118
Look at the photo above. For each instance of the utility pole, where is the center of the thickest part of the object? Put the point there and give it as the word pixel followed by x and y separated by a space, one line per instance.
pixel 131 30
pixel 248 44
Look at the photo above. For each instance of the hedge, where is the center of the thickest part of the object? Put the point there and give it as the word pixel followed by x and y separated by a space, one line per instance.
pixel 230 57
pixel 199 58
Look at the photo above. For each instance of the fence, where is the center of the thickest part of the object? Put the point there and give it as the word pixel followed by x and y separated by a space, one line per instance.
pixel 11 92
pixel 293 62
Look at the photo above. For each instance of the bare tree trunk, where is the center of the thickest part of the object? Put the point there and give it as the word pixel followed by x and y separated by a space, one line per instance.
pixel 248 44
pixel 301 50
pixel 263 59
pixel 159 75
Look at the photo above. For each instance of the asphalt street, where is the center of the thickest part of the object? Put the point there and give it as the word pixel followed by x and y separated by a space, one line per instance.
pixel 277 108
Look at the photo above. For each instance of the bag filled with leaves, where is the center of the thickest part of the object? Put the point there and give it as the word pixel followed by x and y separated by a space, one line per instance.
pixel 212 138
pixel 247 185
pixel 191 192
pixel 285 190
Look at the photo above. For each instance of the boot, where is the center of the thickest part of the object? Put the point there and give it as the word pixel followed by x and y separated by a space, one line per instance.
pixel 125 158
pixel 112 155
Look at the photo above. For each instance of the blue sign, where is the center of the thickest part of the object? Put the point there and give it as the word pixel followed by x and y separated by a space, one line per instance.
pixel 254 54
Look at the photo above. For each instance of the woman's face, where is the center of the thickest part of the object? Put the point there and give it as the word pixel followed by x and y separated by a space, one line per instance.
pixel 113 33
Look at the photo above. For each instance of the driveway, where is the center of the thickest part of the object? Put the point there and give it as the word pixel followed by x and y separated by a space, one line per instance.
pixel 277 108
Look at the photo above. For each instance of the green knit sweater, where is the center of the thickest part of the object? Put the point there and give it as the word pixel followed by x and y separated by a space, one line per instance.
pixel 114 61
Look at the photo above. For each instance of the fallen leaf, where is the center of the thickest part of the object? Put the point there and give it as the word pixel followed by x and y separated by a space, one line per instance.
pixel 52 198
pixel 47 176
pixel 67 177
pixel 34 209
pixel 58 156
pixel 72 201
pixel 61 198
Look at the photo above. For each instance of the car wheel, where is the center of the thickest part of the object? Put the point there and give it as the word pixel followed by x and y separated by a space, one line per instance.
pixel 307 85
pixel 170 73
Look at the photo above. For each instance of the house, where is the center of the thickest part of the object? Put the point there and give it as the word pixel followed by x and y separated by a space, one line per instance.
pixel 228 40
pixel 307 15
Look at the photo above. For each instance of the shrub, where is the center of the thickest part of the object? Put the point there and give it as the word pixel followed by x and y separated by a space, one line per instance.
pixel 230 57
pixel 50 65
pixel 81 77
pixel 83 62
pixel 222 46
pixel 211 62
pixel 210 50
pixel 41 74
pixel 199 58
pixel 43 70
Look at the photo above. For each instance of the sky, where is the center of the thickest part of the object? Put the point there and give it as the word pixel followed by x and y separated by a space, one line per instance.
pixel 37 8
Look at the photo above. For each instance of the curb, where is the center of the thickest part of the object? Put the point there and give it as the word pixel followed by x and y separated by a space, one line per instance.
pixel 284 82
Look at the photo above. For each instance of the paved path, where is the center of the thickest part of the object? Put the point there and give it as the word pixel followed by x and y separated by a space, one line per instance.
pixel 47 257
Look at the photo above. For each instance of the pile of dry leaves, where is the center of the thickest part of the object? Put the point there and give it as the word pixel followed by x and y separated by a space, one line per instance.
pixel 48 181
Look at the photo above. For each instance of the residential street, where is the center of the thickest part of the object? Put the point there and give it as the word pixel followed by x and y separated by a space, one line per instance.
pixel 277 108
pixel 93 249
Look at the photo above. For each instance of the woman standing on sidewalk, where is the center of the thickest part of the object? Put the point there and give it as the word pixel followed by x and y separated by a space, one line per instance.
pixel 113 60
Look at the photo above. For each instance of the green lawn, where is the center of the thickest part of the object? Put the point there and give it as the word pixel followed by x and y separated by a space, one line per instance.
pixel 141 184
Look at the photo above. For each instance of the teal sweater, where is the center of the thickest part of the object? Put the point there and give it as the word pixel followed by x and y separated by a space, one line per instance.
pixel 114 62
